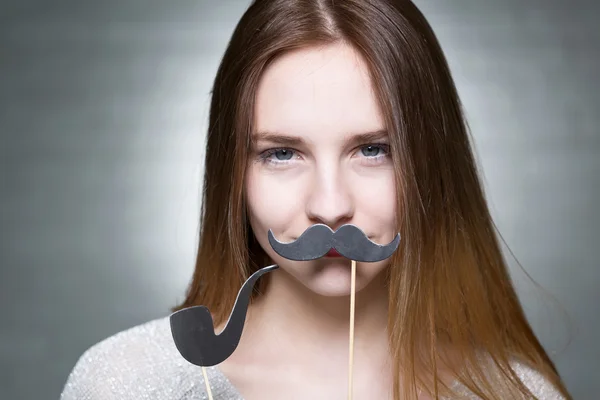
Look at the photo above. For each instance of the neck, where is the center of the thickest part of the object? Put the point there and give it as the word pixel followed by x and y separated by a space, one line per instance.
pixel 289 320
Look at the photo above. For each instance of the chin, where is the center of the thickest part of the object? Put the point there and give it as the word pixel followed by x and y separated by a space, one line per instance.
pixel 331 289
pixel 332 278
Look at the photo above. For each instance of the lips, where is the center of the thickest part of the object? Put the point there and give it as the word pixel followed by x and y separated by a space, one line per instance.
pixel 333 253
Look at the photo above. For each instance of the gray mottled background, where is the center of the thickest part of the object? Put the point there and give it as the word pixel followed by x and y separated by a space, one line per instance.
pixel 103 107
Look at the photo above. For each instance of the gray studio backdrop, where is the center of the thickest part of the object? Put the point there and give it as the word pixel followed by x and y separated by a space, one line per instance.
pixel 103 108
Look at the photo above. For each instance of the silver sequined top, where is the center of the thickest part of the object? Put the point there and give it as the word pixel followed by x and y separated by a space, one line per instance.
pixel 143 363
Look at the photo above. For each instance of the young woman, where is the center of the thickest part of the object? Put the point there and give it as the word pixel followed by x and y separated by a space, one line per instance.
pixel 339 112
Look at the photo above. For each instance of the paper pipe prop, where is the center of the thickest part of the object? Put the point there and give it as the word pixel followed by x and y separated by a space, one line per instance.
pixel 193 329
pixel 194 333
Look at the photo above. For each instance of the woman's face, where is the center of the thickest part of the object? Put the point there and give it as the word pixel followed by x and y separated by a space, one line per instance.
pixel 320 155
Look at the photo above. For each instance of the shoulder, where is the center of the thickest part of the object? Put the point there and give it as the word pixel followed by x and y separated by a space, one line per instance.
pixel 537 383
pixel 141 362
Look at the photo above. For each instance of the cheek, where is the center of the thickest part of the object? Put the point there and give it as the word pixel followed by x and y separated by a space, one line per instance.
pixel 272 202
pixel 377 199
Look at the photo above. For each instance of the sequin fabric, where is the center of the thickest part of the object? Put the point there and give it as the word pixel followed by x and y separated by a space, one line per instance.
pixel 143 363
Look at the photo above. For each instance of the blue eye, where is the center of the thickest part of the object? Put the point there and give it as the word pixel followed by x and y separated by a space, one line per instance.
pixel 283 154
pixel 373 150
pixel 370 151
pixel 277 156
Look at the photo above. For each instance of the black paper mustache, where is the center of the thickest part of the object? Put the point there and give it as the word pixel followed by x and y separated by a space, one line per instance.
pixel 193 328
pixel 348 240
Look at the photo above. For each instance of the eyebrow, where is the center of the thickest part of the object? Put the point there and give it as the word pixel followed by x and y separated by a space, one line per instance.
pixel 289 140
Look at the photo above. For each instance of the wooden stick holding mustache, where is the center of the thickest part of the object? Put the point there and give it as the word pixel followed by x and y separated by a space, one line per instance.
pixel 350 242
pixel 352 307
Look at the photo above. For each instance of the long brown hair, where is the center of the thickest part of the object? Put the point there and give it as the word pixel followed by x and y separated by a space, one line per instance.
pixel 449 286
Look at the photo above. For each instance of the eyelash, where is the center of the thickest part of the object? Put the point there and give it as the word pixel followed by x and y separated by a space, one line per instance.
pixel 264 157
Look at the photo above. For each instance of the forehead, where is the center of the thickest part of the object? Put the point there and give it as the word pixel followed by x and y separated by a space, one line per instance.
pixel 315 91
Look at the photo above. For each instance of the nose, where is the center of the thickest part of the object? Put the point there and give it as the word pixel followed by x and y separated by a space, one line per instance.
pixel 330 202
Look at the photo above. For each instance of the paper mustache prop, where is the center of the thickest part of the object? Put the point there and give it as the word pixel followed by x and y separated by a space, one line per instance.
pixel 193 328
pixel 348 240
